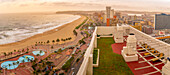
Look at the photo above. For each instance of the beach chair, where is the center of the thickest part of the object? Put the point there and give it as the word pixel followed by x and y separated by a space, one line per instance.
pixel 141 49
pixel 160 56
pixel 153 51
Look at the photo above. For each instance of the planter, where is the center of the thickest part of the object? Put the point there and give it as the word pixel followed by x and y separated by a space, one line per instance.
pixel 97 62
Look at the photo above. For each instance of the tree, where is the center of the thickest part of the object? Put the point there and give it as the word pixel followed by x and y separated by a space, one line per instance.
pixel 17 62
pixel 9 65
pixel 22 50
pixel 41 51
pixel 38 54
pixel 64 40
pixel 27 49
pixel 5 54
pixel 23 61
pixel 58 40
pixel 75 33
pixel 52 47
pixel 14 50
pixel 53 41
pixel 48 41
pixel 14 64
pixel 82 41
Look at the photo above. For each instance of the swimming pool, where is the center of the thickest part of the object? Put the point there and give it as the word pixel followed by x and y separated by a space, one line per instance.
pixel 38 52
pixel 15 64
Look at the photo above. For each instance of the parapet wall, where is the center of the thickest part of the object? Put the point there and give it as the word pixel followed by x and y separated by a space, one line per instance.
pixel 103 30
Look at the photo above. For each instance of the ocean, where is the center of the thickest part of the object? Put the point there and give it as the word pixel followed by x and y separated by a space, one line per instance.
pixel 16 27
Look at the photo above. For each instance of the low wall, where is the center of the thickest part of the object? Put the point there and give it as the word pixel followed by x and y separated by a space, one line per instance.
pixel 103 30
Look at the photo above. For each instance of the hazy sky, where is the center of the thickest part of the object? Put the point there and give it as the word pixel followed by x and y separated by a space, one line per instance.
pixel 13 6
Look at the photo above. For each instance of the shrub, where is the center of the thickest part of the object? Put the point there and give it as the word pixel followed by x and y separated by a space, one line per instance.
pixel 78 60
pixel 98 35
pixel 82 23
pixel 82 42
pixel 67 65
pixel 95 55
pixel 75 33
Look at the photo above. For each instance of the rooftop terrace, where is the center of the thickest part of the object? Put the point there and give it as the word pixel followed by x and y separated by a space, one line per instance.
pixel 110 62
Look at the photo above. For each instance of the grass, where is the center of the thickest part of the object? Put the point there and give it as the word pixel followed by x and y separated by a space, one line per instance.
pixel 95 55
pixel 86 32
pixel 110 63
pixel 67 65
pixel 82 23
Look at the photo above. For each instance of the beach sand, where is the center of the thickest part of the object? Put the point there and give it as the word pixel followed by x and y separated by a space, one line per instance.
pixel 64 31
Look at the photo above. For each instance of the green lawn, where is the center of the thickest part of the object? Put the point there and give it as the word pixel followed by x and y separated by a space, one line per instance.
pixel 110 63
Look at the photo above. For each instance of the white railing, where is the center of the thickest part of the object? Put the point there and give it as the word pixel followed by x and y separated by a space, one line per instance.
pixel 89 51
pixel 140 35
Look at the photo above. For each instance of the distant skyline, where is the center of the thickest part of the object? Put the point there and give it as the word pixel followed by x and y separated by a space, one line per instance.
pixel 13 6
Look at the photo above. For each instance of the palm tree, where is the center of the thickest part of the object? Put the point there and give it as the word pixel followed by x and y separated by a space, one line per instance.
pixel 41 42
pixel 70 38
pixel 32 59
pixel 9 65
pixel 23 61
pixel 58 40
pixel 11 53
pixel 5 54
pixel 52 47
pixel 27 49
pixel 14 50
pixel 14 64
pixel 64 40
pixel 41 51
pixel 48 41
pixel 17 62
pixel 53 42
pixel 38 54
pixel 22 50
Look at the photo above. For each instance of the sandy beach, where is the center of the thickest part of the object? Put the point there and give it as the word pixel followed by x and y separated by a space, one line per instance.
pixel 64 31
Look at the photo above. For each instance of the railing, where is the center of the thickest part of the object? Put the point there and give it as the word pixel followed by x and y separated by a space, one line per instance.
pixel 89 51
pixel 165 46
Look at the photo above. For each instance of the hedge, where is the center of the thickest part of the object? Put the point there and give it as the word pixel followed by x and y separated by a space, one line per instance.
pixel 82 23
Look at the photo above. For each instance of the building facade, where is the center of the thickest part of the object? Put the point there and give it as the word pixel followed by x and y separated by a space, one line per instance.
pixel 162 21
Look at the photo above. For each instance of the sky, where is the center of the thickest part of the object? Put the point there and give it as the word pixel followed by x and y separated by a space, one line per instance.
pixel 14 6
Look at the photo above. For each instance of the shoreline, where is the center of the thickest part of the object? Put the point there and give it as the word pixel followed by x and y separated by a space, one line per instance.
pixel 63 31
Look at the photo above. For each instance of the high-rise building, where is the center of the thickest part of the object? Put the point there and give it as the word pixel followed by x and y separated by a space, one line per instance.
pixel 108 10
pixel 147 29
pixel 118 14
pixel 112 13
pixel 162 21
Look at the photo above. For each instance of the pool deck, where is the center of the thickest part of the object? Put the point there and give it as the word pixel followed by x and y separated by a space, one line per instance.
pixel 136 67
pixel 25 71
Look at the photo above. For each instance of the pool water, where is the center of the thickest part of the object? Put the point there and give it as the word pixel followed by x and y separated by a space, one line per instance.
pixel 38 52
pixel 25 58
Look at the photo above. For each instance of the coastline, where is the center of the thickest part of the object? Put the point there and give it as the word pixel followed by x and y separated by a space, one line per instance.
pixel 63 31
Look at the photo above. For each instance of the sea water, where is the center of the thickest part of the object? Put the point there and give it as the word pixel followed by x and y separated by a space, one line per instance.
pixel 16 27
